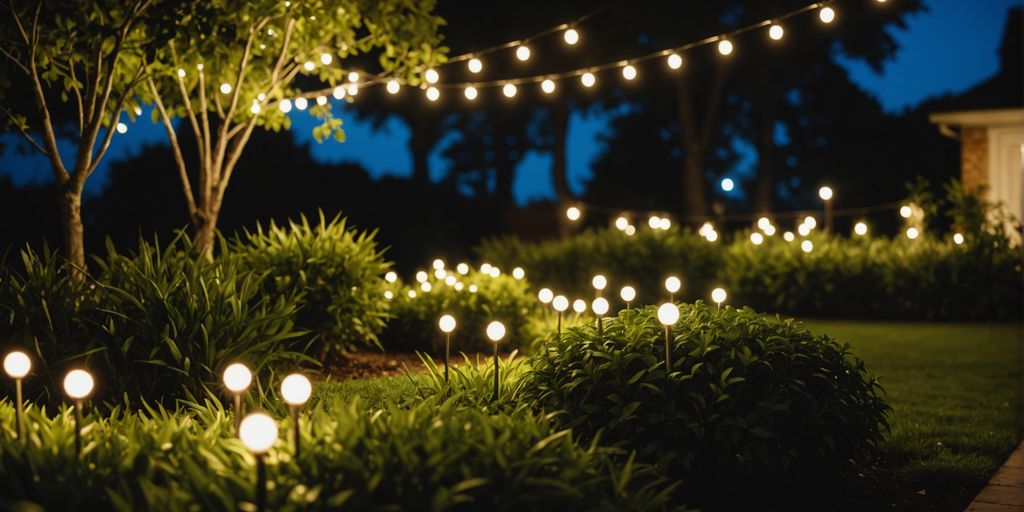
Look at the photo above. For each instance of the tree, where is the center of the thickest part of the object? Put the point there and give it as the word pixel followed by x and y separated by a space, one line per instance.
pixel 80 64
pixel 231 67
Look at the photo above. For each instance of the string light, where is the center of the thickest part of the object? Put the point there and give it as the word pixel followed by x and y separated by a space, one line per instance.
pixel 827 14
pixel 301 103
pixel 308 65
pixel 426 287
pixel 518 273
pixel 470 93
pixel 509 90
pixel 326 59
pixel 913 233
pixel 431 76
pixel 630 230
pixel 321 100
pixel 393 86
pixel 573 213
pixel 788 236
pixel 475 65
pixel 352 89
pixel 391 277
pixel 353 76
pixel 225 88
pixel 548 86
pixel 906 211
pixel 587 79
pixel 725 47
pixel 122 128
pixel 958 238
pixel 654 222
pixel 462 268
pixel 776 32
pixel 285 105
pixel 756 238
pixel 860 229
pixel 339 92
pixel 628 72
pixel 675 61
pixel 621 223
pixel 571 36
pixel 412 294
pixel 727 184
pixel 255 108
pixel 665 224
pixel 433 94
pixel 421 277
pixel 523 53
pixel 807 246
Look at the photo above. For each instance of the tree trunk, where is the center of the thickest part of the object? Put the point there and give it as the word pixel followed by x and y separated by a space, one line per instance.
pixel 559 166
pixel 693 153
pixel 205 225
pixel 764 191
pixel 72 231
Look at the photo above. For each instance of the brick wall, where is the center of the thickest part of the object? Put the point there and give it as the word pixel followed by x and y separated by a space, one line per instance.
pixel 973 157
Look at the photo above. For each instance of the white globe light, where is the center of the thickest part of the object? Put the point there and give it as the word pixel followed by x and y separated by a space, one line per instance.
pixel 326 58
pixel 353 76
pixel 225 88
pixel 718 295
pixel 433 94
pixel 258 432
pixel 560 303
pixel 763 222
pixel 495 272
pixel 788 236
pixel 122 128
pixel 475 65
pixel 807 246
pixel 727 184
pixel 756 238
pixel 446 323
pixel 957 239
pixel 255 108
pixel 810 222
pixel 825 193
pixel 827 15
pixel 440 274
pixel 437 264
pixel 573 213
pixel 776 32
pixel 472 288
pixel 450 280
pixel 803 229
pixel 769 230
pixel 712 236
pixel 393 86
pixel 78 384
pixel 485 268
pixel 459 286
pixel 352 90
pixel 431 76
pixel 470 93
pixel 627 293
pixel 571 36
pixel 630 230
pixel 704 228
pixel 545 295
pixel 426 287
pixel 725 47
pixel 388 294
pixel 321 100
pixel 668 314
pixel 621 223
pixel 599 282
pixel 673 284
pixel 665 223
pixel 518 273
pixel 462 268
pixel 860 228
pixel 296 389
pixel 17 364
pixel 523 53
pixel 906 211
pixel 308 65
pixel 237 377
pixel 628 72
pixel 301 103
pixel 548 86
pixel 509 90
pixel 181 73
pixel 339 92
pixel 412 294
pixel 421 277
pixel 675 61
pixel 285 105
pixel 913 233
pixel 579 305
pixel 600 306
pixel 654 222
pixel 495 331
pixel 391 277
pixel 588 79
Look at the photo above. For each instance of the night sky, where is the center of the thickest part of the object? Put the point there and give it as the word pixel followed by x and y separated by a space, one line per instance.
pixel 947 49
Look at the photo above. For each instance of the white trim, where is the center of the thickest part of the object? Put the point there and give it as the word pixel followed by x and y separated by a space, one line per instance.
pixel 987 118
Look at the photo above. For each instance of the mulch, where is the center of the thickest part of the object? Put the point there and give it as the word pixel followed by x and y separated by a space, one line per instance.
pixel 362 365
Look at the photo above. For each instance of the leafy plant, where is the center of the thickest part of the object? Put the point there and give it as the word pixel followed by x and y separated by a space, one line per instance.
pixel 750 402
pixel 336 270
pixel 472 382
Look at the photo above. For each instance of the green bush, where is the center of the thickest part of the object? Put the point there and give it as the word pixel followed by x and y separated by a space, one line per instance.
pixel 752 402
pixel 481 300
pixel 428 457
pixel 337 270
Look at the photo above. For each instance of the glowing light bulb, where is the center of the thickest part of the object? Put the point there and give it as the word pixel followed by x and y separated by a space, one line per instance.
pixel 545 295
pixel 412 294
pixel 388 294
pixel 440 274
pixel 321 100
pixel 78 384
pixel 258 432
pixel 913 233
pixel 573 213
pixel 727 184
pixel 588 79
pixel 762 222
pixel 421 277
pixel 725 47
pixel 825 193
pixel 523 53
pixel 704 228
pixel 450 280
pixel 906 211
pixel 718 295
pixel 827 15
pixel 437 264
pixel 393 86
pixel 803 229
pixel 668 314
pixel 810 222
pixel 122 128
pixel 433 94
pixel 352 90
pixel 495 272
pixel 630 230
pixel 326 59
pixel 509 90
pixel 560 303
pixel 17 364
pixel 426 287
pixel 776 32
pixel 495 331
pixel 353 76
pixel 181 73
pixel 485 268
pixel 600 306
pixel 579 305
pixel 807 246
pixel 599 282
pixel 225 88
pixel 475 65
pixel 446 324
pixel 459 286
pixel 308 65
pixel 237 377
pixel 548 86
pixel 621 223
pixel 756 238
pixel 199 66
pixel 391 277
pixel 431 76
pixel 712 236
pixel 462 268
pixel 673 284
pixel 628 72
pixel 571 36
pixel 860 228
pixel 627 293
pixel 518 273
pixel 675 61
pixel 473 288
pixel 788 236
pixel 470 93
pixel 255 108
pixel 665 224
pixel 339 92
pixel 285 105
pixel 296 389
pixel 957 239
pixel 654 222
pixel 301 103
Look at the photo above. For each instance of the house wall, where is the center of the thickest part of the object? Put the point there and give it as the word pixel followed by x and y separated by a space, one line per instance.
pixel 974 157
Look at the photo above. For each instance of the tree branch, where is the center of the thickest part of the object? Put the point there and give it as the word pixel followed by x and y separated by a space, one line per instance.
pixel 24 132
pixel 179 160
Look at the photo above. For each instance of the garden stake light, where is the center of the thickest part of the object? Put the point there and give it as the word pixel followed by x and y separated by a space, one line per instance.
pixel 237 378
pixel 258 433
pixel 296 390
pixel 600 307
pixel 672 285
pixel 447 325
pixel 77 385
pixel 599 282
pixel 560 303
pixel 668 315
pixel 495 331
pixel 17 365
pixel 628 293
pixel 718 295
pixel 825 193
pixel 579 306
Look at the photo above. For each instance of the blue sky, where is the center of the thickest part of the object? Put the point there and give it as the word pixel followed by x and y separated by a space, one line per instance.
pixel 947 49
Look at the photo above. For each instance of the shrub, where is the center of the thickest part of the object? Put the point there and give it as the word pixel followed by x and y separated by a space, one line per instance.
pixel 337 271
pixel 481 300
pixel 752 402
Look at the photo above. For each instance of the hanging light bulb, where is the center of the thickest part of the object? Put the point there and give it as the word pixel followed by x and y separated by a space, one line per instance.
pixel 776 32
pixel 725 47
pixel 475 65
pixel 255 108
pixel 352 90
pixel 301 103
pixel 326 59
pixel 571 36
pixel 393 86
pixel 470 93
pixel 433 94
pixel 321 100
pixel 548 86
pixel 122 128
pixel 675 61
pixel 431 76
pixel 827 15
pixel 308 65
pixel 181 73
pixel 285 105
pixel 573 213
pixel 628 72
pixel 523 53
pixel 509 90
pixel 588 79
pixel 860 229
pixel 339 92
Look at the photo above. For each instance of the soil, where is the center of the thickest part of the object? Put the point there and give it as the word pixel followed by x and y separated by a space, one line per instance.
pixel 362 365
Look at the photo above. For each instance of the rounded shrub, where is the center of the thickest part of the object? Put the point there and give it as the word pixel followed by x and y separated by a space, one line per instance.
pixel 751 402
pixel 337 271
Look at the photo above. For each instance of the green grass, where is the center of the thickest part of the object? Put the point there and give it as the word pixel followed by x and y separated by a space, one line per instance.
pixel 955 390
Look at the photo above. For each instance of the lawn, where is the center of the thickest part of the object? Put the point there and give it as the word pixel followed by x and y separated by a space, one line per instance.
pixel 955 390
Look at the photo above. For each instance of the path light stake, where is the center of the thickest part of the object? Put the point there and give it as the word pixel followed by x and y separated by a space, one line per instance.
pixel 718 295
pixel 599 282
pixel 495 331
pixel 672 285
pixel 296 390
pixel 17 365
pixel 258 433
pixel 560 303
pixel 668 315
pixel 237 378
pixel 628 293
pixel 825 193
pixel 77 385
pixel 447 325
pixel 600 307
